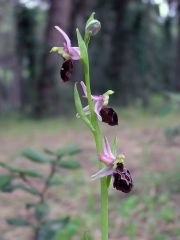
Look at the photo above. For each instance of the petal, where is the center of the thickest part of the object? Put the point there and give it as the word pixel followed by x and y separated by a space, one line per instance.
pixel 74 52
pixel 107 159
pixel 65 36
pixel 97 109
pixel 86 110
pixel 107 148
pixel 84 89
pixel 98 98
pixel 106 171
pixel 77 115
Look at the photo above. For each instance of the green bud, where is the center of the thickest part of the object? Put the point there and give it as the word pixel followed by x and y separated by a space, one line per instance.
pixel 93 27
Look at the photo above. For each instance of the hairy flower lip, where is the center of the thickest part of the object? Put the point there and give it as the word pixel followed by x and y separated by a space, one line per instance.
pixel 66 70
pixel 109 116
pixel 122 179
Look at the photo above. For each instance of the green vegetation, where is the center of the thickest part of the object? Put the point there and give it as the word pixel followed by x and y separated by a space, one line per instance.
pixel 152 209
pixel 18 178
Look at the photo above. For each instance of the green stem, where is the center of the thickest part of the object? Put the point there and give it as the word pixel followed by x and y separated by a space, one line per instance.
pixel 98 140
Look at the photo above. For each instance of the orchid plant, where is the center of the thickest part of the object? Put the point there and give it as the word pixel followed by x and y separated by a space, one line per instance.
pixel 97 110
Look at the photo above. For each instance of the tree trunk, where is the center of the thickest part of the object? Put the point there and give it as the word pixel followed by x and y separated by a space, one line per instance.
pixel 48 99
pixel 177 78
pixel 119 44
pixel 9 80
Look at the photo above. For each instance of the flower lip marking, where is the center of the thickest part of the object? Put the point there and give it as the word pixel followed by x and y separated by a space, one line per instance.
pixel 122 179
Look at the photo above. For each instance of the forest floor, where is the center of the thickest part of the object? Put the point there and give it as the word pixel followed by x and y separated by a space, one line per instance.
pixel 150 212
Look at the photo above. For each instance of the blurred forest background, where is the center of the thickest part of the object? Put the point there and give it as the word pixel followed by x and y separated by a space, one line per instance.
pixel 137 53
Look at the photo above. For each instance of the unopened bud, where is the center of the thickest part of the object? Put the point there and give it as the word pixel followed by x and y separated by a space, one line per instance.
pixel 93 27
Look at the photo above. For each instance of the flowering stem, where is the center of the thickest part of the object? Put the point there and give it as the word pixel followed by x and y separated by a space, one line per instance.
pixel 98 141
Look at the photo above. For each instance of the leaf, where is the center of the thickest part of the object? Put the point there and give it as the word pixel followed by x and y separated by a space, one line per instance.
pixel 55 180
pixel 69 150
pixel 85 236
pixel 108 180
pixel 79 108
pixel 114 146
pixel 83 50
pixel 11 188
pixel 26 189
pixel 91 18
pixel 50 228
pixel 78 103
pixel 35 156
pixel 14 169
pixel 5 181
pixel 68 232
pixel 69 164
pixel 18 222
pixel 49 151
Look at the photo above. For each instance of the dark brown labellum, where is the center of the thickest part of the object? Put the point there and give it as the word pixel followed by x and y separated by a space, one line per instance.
pixel 109 116
pixel 66 70
pixel 122 179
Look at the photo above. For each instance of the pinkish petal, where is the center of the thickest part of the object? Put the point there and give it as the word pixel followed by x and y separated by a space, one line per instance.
pixel 107 159
pixel 74 52
pixel 65 36
pixel 86 110
pixel 84 89
pixel 106 171
pixel 97 98
pixel 97 109
pixel 107 148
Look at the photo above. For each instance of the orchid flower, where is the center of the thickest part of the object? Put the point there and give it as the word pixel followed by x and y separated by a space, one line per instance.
pixel 103 112
pixel 68 53
pixel 115 167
